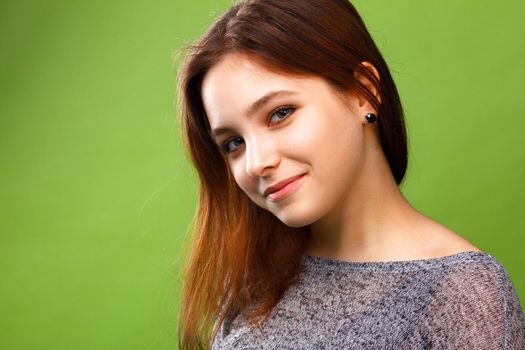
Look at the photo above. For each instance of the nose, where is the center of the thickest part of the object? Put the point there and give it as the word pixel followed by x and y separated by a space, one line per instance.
pixel 261 156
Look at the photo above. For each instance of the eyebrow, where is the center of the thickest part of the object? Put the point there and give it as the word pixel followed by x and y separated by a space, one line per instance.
pixel 258 104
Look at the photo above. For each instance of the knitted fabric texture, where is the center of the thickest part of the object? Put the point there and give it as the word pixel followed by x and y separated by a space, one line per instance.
pixel 461 301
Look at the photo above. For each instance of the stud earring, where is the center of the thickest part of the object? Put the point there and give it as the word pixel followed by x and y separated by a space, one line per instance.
pixel 371 118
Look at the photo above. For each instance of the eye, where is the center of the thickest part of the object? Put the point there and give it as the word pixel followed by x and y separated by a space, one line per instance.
pixel 229 145
pixel 280 113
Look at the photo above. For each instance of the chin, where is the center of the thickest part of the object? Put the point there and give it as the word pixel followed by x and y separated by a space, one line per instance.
pixel 295 217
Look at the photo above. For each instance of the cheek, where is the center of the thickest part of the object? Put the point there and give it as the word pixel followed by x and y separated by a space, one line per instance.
pixel 344 147
pixel 247 184
pixel 327 135
pixel 307 138
pixel 237 169
pixel 334 147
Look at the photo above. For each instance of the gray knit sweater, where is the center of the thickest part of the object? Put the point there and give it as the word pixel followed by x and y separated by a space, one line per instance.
pixel 461 301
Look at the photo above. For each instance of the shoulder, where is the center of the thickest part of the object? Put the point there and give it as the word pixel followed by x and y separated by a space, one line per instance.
pixel 478 281
pixel 476 306
pixel 479 273
pixel 435 240
pixel 422 239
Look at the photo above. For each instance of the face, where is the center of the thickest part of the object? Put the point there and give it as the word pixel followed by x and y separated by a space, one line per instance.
pixel 275 128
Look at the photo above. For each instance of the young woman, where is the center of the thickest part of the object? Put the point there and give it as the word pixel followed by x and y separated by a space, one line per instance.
pixel 302 238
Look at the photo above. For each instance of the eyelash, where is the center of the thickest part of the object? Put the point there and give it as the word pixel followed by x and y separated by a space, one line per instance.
pixel 224 146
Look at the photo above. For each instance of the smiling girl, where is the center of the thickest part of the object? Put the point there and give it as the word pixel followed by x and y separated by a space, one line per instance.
pixel 302 238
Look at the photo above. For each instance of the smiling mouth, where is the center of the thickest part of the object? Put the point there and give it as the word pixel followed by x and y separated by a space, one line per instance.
pixel 285 190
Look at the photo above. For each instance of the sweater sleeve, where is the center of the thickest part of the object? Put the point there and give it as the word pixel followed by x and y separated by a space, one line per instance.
pixel 475 307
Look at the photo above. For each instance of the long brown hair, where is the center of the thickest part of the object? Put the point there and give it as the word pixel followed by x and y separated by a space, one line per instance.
pixel 243 258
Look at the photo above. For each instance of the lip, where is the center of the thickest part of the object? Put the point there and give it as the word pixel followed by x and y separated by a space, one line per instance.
pixel 282 188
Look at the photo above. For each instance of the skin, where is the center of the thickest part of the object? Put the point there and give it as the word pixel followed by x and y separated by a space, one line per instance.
pixel 348 194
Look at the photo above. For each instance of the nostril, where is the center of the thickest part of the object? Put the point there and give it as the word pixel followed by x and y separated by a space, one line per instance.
pixel 260 160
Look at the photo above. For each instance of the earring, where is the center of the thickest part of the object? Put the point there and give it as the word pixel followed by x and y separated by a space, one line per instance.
pixel 371 118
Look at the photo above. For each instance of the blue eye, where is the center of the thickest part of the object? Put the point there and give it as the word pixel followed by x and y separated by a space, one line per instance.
pixel 226 145
pixel 281 113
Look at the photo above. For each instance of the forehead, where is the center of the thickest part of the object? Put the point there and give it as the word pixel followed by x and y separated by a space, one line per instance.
pixel 237 80
pixel 239 68
pixel 237 77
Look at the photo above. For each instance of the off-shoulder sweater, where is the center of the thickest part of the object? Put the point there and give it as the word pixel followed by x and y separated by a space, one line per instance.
pixel 462 301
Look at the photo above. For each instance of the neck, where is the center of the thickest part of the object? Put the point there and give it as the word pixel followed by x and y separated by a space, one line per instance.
pixel 373 221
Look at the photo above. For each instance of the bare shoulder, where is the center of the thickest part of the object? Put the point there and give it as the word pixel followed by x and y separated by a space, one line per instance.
pixel 441 241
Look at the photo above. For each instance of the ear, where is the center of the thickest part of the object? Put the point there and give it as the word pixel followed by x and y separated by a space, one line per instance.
pixel 364 73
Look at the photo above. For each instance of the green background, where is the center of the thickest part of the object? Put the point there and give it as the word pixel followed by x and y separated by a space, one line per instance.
pixel 96 193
